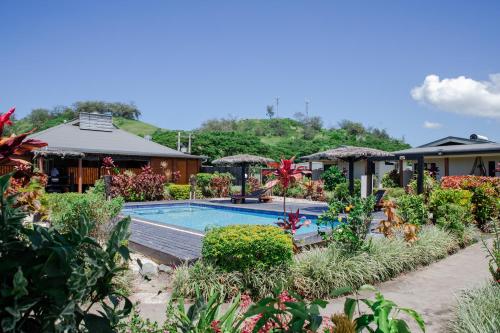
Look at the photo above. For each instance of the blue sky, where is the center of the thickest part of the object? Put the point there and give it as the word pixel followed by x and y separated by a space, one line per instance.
pixel 187 61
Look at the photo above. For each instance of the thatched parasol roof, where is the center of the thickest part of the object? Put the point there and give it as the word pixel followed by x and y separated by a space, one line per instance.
pixel 347 152
pixel 242 158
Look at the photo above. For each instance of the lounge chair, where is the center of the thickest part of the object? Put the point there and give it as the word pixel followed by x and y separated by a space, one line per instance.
pixel 257 194
pixel 379 202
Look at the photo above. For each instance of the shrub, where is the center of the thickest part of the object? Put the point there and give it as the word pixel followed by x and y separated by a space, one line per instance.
pixel 347 224
pixel 341 191
pixel 221 184
pixel 485 196
pixel 390 179
pixel 475 310
pixel 241 247
pixel 441 197
pixel 50 281
pixel 145 186
pixel 395 192
pixel 203 183
pixel 332 177
pixel 179 192
pixel 66 210
pixel 411 209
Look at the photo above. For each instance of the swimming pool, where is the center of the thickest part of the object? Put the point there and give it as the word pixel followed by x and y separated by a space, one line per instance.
pixel 202 217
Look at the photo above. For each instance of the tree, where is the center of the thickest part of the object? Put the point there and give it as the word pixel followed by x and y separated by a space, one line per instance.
pixel 352 127
pixel 270 111
pixel 129 111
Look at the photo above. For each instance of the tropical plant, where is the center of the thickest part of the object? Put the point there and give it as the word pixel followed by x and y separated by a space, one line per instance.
pixel 220 183
pixel 347 224
pixel 293 223
pixel 284 312
pixel 108 164
pixel 383 316
pixel 51 282
pixel 332 177
pixel 145 186
pixel 178 192
pixel 203 183
pixel 411 209
pixel 390 179
pixel 66 209
pixel 285 174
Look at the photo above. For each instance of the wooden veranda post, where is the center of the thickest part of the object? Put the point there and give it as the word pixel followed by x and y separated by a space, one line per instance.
pixel 446 166
pixel 80 175
pixel 369 176
pixel 40 164
pixel 351 176
pixel 420 175
pixel 243 180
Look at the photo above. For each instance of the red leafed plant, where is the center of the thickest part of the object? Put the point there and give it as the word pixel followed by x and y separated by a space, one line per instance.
pixel 293 223
pixel 285 174
pixel 28 185
pixel 14 147
pixel 469 182
pixel 144 186
pixel 108 164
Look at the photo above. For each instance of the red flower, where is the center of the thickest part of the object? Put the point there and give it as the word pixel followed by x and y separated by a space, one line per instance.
pixel 5 119
pixel 215 325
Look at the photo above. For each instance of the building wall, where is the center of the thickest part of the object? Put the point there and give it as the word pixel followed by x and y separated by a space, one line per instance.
pixel 187 167
pixel 462 165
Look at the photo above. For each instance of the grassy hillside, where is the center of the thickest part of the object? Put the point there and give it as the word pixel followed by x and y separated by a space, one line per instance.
pixel 135 126
pixel 274 138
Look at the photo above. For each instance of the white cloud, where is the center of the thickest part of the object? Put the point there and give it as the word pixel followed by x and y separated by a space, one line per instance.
pixel 461 95
pixel 431 125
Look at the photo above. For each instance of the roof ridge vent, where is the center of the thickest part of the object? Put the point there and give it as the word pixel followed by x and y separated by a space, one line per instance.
pixel 96 121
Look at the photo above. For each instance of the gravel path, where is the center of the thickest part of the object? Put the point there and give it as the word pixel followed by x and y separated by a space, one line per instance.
pixel 430 290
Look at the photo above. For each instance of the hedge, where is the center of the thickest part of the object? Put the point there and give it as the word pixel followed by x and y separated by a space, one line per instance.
pixel 240 247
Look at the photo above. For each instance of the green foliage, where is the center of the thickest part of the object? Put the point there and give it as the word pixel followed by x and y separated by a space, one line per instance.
pixel 383 316
pixel 134 126
pixel 286 312
pixel 332 177
pixel 275 138
pixel 390 179
pixel 347 224
pixel 452 209
pixel 178 192
pixel 477 310
pixel 203 183
pixel 342 193
pixel 429 185
pixel 241 247
pixel 395 193
pixel 205 278
pixel 485 201
pixel 51 281
pixel 66 209
pixel 412 209
pixel 493 253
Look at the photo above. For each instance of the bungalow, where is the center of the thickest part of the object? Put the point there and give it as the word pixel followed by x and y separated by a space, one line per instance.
pixel 73 157
pixel 454 156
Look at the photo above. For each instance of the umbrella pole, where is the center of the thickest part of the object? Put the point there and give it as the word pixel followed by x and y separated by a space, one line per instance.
pixel 243 181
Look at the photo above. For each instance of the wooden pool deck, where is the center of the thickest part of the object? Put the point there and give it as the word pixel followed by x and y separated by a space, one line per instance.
pixel 170 244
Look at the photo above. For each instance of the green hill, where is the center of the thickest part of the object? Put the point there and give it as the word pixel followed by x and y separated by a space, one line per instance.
pixel 275 137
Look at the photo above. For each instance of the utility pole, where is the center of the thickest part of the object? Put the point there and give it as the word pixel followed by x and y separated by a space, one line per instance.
pixel 189 144
pixel 307 107
pixel 179 141
pixel 277 105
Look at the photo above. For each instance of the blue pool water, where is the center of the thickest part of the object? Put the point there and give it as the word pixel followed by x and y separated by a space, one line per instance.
pixel 201 218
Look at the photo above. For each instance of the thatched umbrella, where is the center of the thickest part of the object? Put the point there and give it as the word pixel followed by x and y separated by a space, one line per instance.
pixel 349 154
pixel 244 160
